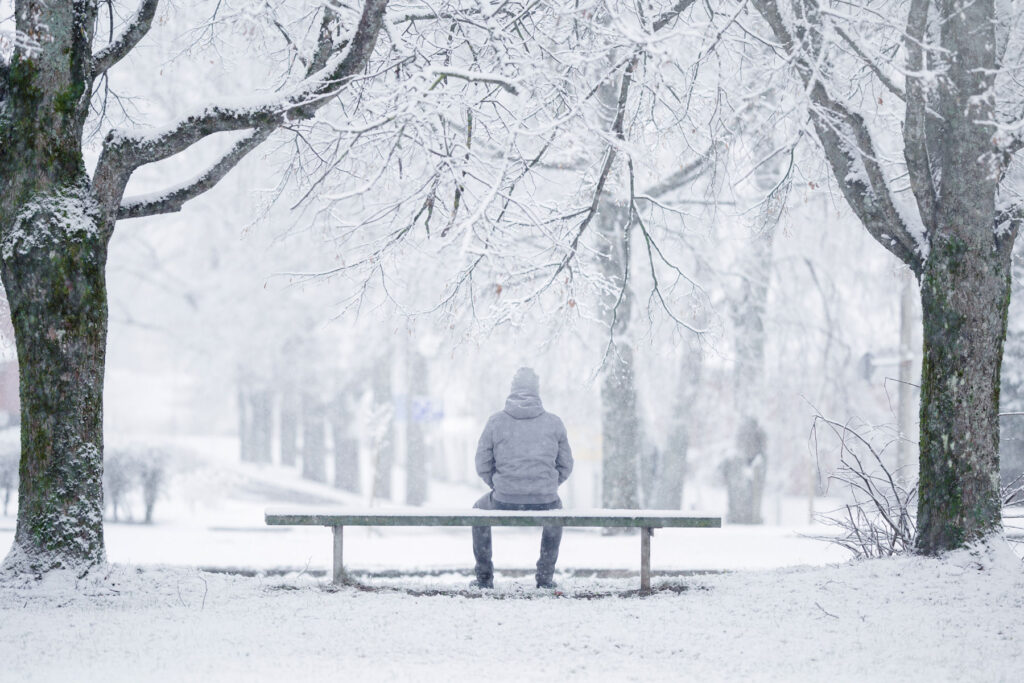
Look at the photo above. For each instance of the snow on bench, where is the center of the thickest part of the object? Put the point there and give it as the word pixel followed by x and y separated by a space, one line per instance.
pixel 340 517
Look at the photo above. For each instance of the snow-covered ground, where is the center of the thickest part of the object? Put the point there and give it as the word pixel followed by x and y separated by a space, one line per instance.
pixel 787 607
pixel 908 619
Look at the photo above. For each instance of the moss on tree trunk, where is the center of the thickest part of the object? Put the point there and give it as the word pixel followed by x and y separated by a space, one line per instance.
pixel 965 296
pixel 53 270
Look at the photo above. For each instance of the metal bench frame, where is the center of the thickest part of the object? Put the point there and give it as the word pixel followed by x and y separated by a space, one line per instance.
pixel 645 520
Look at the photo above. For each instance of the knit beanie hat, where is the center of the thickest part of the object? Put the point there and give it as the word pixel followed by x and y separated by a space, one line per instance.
pixel 526 381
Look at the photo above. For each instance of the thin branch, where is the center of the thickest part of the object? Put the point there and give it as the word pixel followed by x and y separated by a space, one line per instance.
pixel 472 76
pixel 871 64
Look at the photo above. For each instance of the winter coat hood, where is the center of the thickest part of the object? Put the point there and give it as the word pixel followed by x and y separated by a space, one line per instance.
pixel 523 406
pixel 523 402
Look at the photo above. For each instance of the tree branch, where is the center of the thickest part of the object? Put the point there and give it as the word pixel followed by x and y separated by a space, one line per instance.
pixel 123 153
pixel 915 126
pixel 172 200
pixel 669 15
pixel 617 129
pixel 477 77
pixel 871 64
pixel 136 30
pixel 682 176
pixel 848 147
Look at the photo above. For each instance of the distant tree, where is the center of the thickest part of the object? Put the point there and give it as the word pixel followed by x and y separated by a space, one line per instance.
pixel 416 453
pixel 314 426
pixel 117 483
pixel 383 424
pixel 150 468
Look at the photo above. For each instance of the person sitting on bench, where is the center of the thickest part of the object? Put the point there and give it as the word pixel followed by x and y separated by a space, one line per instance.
pixel 523 456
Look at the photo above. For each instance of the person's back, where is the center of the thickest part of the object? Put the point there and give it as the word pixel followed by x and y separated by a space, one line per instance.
pixel 523 456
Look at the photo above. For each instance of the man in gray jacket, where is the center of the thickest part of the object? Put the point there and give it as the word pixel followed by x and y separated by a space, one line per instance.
pixel 523 456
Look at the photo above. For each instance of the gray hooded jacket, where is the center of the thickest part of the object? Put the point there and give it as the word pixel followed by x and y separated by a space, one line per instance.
pixel 524 453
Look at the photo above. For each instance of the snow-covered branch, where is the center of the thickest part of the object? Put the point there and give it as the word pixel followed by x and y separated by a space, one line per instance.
pixel 915 127
pixel 477 77
pixel 172 200
pixel 124 152
pixel 135 31
pixel 846 140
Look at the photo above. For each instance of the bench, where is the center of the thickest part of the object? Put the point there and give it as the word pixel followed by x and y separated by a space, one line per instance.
pixel 339 518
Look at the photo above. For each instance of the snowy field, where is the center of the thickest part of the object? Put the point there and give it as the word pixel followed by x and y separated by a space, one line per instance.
pixel 909 619
pixel 737 603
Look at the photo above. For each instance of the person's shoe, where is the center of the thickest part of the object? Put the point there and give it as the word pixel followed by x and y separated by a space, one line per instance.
pixel 546 583
pixel 481 584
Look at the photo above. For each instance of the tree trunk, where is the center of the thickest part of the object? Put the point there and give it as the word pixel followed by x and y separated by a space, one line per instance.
pixel 53 248
pixel 745 471
pixel 261 426
pixel 745 474
pixel 346 448
pixel 384 410
pixel 314 448
pixel 620 423
pixel 415 442
pixel 965 295
pixel 53 271
pixel 288 413
pixel 244 424
pixel 672 473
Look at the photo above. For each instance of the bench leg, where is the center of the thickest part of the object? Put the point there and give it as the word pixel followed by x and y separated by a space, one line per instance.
pixel 645 559
pixel 339 566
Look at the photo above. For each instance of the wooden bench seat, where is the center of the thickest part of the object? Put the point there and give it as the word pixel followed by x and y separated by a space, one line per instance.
pixel 340 517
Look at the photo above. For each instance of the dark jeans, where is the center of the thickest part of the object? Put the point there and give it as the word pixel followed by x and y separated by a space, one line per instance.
pixel 550 539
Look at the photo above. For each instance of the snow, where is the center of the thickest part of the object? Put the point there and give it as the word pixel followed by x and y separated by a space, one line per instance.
pixel 909 618
pixel 462 513
pixel 70 212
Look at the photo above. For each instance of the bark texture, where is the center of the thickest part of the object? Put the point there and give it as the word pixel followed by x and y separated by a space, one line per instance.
pixel 964 329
